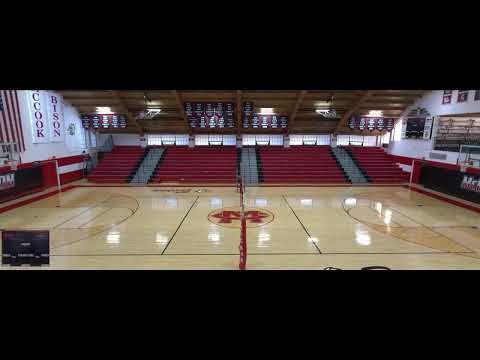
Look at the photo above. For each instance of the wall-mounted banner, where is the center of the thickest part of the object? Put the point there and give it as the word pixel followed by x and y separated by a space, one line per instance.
pixel 447 97
pixel 55 117
pixel 427 130
pixel 37 109
pixel 462 96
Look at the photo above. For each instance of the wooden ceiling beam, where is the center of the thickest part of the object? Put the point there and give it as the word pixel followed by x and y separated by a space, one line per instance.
pixel 131 118
pixel 343 121
pixel 179 100
pixel 298 103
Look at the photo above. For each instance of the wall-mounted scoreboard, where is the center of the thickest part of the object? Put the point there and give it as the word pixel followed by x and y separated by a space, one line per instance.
pixel 104 121
pixel 210 115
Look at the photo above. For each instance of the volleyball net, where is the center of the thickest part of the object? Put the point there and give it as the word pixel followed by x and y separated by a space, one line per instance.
pixel 243 224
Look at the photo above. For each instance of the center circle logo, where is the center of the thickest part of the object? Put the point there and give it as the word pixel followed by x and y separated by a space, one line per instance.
pixel 230 217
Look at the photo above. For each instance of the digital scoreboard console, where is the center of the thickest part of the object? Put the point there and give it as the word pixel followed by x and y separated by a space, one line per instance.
pixel 210 115
pixel 31 247
pixel 104 121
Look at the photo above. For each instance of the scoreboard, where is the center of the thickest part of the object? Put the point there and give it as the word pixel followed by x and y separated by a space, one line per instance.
pixel 30 247
pixel 104 121
pixel 208 115
pixel 253 120
pixel 414 128
pixel 371 123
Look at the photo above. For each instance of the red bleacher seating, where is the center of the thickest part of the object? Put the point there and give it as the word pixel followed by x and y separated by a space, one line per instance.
pixel 118 165
pixel 300 164
pixel 212 164
pixel 377 165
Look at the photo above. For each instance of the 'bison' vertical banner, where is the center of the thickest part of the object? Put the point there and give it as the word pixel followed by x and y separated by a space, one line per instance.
pixel 37 107
pixel 55 117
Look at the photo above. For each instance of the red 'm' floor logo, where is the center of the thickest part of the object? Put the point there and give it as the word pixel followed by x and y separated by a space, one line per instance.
pixel 230 217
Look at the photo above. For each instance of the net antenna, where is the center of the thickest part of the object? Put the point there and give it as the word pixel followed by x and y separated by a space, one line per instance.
pixel 243 225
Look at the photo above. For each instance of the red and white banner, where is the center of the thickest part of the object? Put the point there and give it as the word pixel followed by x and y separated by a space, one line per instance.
pixel 55 117
pixel 10 122
pixel 46 116
pixel 37 110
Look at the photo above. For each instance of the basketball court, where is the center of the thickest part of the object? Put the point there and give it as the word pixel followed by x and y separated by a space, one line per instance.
pixel 287 228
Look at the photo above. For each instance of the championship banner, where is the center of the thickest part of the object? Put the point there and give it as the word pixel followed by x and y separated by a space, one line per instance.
pixel 55 117
pixel 37 111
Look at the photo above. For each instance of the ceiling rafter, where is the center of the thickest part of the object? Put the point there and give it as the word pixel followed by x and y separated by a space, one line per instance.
pixel 297 105
pixel 179 101
pixel 341 124
pixel 122 104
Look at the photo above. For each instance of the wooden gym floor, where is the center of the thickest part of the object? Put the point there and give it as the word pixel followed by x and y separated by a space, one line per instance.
pixel 288 228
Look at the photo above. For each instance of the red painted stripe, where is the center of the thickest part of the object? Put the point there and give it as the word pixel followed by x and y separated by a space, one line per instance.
pixel 15 121
pixel 69 160
pixel 20 122
pixel 2 118
pixel 9 128
pixel 71 176
pixel 446 199
pixel 34 199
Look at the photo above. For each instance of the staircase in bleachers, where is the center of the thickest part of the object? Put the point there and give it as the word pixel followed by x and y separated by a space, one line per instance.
pixel 300 164
pixel 212 164
pixel 376 165
pixel 118 166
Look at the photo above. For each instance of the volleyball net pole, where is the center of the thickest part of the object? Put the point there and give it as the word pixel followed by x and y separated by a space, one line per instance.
pixel 243 225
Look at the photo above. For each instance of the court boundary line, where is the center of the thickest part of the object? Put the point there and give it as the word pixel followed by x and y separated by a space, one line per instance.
pixel 303 226
pixel 133 212
pixel 444 198
pixel 74 186
pixel 178 227
pixel 274 254
pixel 34 199
pixel 368 224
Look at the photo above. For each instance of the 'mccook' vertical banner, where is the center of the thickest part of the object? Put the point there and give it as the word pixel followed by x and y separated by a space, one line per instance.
pixel 55 117
pixel 38 116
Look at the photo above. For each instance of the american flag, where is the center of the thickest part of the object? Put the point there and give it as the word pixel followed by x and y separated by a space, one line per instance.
pixel 10 121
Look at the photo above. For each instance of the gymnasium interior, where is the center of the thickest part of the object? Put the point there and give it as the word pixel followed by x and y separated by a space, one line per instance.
pixel 240 179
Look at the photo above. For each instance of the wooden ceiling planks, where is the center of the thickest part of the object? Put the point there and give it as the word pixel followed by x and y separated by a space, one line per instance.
pixel 172 118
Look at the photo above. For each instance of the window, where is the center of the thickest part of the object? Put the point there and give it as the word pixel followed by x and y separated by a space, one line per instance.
pixel 248 140
pixel 343 140
pixel 157 140
pixel 181 139
pixel 201 140
pixel 229 140
pixel 276 140
pixel 296 139
pixel 323 139
pixel 356 140
pixel 369 141
pixel 386 138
